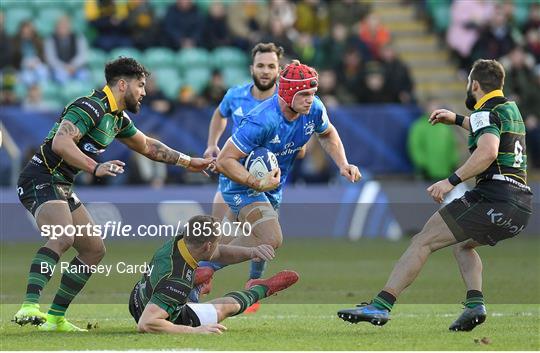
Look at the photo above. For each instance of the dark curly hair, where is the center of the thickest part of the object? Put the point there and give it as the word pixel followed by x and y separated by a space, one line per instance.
pixel 124 67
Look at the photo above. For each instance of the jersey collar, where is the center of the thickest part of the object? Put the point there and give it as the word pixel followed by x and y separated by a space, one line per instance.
pixel 484 99
pixel 186 255
pixel 110 97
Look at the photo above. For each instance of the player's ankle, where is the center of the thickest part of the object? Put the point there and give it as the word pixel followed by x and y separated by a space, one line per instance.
pixel 384 301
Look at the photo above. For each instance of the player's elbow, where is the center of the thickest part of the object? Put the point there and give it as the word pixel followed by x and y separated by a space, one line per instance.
pixel 58 145
pixel 146 327
pixel 490 154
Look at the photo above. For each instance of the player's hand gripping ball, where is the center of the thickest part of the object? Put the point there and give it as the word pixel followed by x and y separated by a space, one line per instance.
pixel 260 162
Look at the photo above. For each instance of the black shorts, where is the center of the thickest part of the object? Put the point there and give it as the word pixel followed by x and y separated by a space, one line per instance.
pixel 36 187
pixel 491 212
pixel 187 316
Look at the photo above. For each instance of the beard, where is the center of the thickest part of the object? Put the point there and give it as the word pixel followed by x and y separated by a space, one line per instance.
pixel 470 101
pixel 132 105
pixel 259 84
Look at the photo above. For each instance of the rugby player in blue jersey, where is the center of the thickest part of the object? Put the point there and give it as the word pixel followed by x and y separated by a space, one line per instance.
pixel 283 124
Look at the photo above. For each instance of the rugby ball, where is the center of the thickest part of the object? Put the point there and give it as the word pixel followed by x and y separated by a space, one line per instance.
pixel 261 161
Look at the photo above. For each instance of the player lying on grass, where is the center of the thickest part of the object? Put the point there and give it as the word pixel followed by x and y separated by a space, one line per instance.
pixel 159 302
pixel 283 124
pixel 85 129
pixel 498 208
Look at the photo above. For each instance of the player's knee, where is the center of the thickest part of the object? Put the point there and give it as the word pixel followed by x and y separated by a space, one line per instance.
pixel 100 252
pixel 275 240
pixel 422 241
pixel 60 244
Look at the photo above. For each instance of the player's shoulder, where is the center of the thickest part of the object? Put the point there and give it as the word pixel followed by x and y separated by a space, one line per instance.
pixel 266 112
pixel 318 110
pixel 91 105
pixel 239 91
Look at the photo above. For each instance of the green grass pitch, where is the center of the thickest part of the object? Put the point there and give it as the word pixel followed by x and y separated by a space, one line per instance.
pixel 334 274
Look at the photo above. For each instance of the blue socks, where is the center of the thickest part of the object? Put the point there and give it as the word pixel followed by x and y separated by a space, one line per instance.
pixel 256 269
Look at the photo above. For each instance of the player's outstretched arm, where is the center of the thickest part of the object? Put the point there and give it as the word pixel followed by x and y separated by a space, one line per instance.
pixel 230 254
pixel 482 157
pixel 218 124
pixel 228 164
pixel 154 320
pixel 447 117
pixel 160 152
pixel 64 144
pixel 331 143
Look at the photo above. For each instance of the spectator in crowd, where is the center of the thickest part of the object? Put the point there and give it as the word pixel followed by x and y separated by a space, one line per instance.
pixel 187 98
pixel 248 22
pixel 532 124
pixel 374 34
pixel 33 101
pixel 533 21
pixel 349 75
pixel 332 48
pixel 142 25
pixel 155 98
pixel 28 55
pixel 520 85
pixel 278 34
pixel 215 90
pixel 532 37
pixel 396 76
pixel 283 11
pixel 495 39
pixel 108 19
pixel 5 47
pixel 304 47
pixel 348 12
pixel 183 25
pixel 8 80
pixel 216 33
pixel 467 17
pixel 146 171
pixel 426 144
pixel 327 90
pixel 312 17
pixel 373 87
pixel 66 53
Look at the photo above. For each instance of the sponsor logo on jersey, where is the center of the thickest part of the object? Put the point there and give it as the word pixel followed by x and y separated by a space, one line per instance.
pixel 36 159
pixel 188 275
pixel 237 199
pixel 90 148
pixel 275 139
pixel 239 111
pixel 309 128
pixel 92 108
pixel 288 149
pixel 42 186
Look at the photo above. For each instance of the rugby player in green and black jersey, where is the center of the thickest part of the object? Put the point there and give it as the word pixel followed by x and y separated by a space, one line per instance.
pixel 159 301
pixel 45 187
pixel 499 207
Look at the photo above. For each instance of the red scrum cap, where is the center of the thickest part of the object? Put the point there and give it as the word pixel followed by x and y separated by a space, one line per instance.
pixel 296 78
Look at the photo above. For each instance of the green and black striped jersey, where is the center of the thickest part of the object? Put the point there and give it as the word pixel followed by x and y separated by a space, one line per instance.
pixel 99 121
pixel 171 278
pixel 497 115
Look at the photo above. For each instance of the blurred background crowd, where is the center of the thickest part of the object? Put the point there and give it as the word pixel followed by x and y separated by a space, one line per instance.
pixel 376 53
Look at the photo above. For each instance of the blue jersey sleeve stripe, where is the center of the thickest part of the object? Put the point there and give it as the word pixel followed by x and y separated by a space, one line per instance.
pixel 237 144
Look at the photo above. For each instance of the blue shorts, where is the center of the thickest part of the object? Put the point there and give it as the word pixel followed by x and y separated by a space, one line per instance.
pixel 241 198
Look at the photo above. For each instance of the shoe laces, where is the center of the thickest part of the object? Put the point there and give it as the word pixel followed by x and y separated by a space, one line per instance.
pixel 362 304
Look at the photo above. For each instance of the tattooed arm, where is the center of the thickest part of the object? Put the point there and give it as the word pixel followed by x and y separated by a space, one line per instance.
pixel 158 151
pixel 64 144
